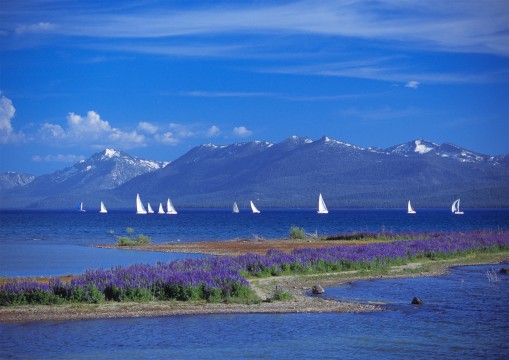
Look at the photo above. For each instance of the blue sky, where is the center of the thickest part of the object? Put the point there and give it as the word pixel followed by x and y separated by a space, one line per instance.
pixel 156 78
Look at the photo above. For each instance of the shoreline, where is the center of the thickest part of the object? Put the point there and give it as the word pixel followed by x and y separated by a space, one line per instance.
pixel 236 247
pixel 297 285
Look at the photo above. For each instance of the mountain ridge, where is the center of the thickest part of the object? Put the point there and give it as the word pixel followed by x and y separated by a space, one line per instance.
pixel 290 173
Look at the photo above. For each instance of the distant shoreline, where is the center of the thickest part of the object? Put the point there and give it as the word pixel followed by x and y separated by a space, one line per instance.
pixel 297 285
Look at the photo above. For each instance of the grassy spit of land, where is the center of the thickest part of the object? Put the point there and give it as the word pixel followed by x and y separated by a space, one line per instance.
pixel 285 293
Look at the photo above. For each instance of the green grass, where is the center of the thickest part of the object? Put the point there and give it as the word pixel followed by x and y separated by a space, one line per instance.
pixel 133 240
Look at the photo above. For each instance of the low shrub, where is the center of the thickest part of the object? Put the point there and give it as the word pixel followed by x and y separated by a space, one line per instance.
pixel 297 233
pixel 131 240
pixel 280 295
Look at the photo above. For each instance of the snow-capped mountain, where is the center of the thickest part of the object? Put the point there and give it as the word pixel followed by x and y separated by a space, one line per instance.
pixel 105 170
pixel 423 147
pixel 290 173
pixel 11 180
pixel 102 171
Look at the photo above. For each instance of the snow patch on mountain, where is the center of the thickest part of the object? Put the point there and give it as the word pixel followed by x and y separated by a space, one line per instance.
pixel 11 180
pixel 109 153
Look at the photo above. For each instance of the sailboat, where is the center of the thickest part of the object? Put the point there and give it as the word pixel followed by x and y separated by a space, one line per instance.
pixel 254 209
pixel 103 209
pixel 169 208
pixel 322 208
pixel 455 208
pixel 80 207
pixel 235 208
pixel 161 210
pixel 149 209
pixel 140 209
pixel 410 208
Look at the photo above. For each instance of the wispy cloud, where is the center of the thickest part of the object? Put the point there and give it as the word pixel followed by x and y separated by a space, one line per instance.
pixel 220 94
pixel 412 84
pixel 469 26
pixel 379 114
pixel 391 69
pixel 42 27
pixel 63 158
pixel 279 96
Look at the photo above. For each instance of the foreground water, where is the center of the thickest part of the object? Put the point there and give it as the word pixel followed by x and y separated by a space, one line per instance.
pixel 35 243
pixel 464 316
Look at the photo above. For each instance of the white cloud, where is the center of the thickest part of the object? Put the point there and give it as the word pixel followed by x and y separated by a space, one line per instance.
pixel 213 131
pixel 128 139
pixel 51 131
pixel 167 138
pixel 90 130
pixel 90 125
pixel 412 84
pixel 64 158
pixel 7 134
pixel 182 131
pixel 147 127
pixel 242 131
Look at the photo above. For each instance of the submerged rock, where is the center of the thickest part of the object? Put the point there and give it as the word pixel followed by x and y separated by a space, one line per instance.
pixel 317 289
pixel 417 301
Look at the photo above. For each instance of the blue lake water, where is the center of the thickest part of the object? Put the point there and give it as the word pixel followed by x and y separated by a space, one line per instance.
pixel 57 243
pixel 464 316
pixel 199 225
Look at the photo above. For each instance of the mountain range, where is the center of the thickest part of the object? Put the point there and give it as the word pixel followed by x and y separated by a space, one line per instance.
pixel 103 171
pixel 288 174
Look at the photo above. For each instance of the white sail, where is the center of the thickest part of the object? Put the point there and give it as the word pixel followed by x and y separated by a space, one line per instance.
pixel 140 209
pixel 149 209
pixel 80 207
pixel 410 208
pixel 322 208
pixel 161 209
pixel 103 209
pixel 254 209
pixel 455 208
pixel 169 208
pixel 235 208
